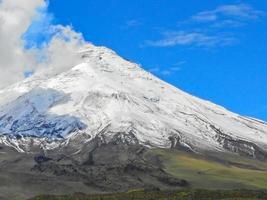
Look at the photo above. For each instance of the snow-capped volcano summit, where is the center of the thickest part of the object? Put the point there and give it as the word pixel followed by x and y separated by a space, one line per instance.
pixel 110 98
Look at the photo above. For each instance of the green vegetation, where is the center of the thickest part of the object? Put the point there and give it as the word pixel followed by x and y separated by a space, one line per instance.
pixel 220 177
pixel 167 195
pixel 230 172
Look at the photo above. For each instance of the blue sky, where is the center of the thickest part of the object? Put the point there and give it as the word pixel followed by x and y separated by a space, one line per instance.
pixel 216 50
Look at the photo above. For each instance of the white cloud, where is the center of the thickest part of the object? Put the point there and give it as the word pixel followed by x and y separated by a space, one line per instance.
pixel 227 23
pixel 241 11
pixel 191 38
pixel 159 71
pixel 154 70
pixel 175 69
pixel 16 17
pixel 61 52
pixel 180 63
pixel 216 30
pixel 205 17
pixel 133 23
pixel 167 71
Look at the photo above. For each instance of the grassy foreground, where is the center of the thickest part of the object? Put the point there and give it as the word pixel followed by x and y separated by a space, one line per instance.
pixel 168 195
pixel 230 172
pixel 220 177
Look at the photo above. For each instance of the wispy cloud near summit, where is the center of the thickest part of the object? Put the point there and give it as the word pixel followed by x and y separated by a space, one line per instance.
pixel 30 42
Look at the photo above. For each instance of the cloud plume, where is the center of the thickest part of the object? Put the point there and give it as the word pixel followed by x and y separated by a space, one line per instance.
pixel 21 23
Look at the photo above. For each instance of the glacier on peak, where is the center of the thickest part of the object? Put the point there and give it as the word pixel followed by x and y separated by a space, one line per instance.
pixel 28 116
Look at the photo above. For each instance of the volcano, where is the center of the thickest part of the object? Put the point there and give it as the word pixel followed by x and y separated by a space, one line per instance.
pixel 102 126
